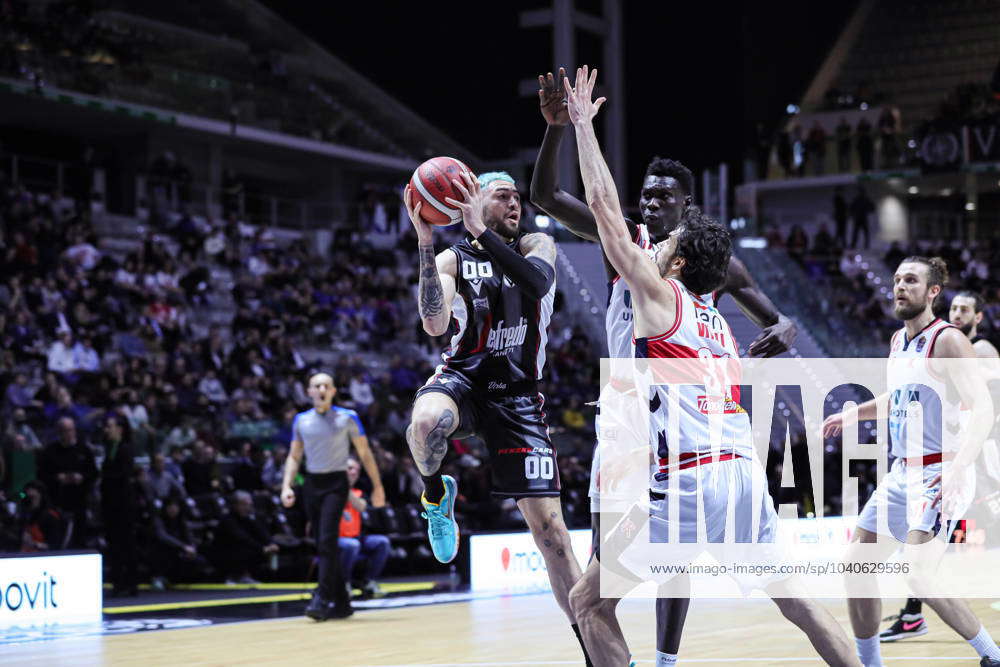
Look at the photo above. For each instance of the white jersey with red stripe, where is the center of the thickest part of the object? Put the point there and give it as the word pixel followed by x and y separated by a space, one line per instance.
pixel 699 332
pixel 618 321
pixel 909 378
pixel 618 324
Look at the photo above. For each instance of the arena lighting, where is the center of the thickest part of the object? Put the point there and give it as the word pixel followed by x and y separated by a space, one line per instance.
pixel 753 242
pixel 541 221
pixel 913 190
pixel 912 143
pixel 864 106
pixel 970 206
pixel 792 109
pixel 946 192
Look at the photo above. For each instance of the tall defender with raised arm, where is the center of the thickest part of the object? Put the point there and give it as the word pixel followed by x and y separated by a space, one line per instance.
pixel 665 199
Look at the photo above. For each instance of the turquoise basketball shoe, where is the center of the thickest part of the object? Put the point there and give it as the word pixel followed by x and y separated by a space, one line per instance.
pixel 442 529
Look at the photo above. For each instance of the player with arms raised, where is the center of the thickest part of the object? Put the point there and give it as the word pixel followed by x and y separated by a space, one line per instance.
pixel 497 286
pixel 667 295
pixel 665 199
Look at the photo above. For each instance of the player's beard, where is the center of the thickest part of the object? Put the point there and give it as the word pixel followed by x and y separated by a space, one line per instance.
pixel 504 227
pixel 911 309
pixel 966 328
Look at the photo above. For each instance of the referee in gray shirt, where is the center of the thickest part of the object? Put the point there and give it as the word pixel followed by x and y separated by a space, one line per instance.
pixel 324 435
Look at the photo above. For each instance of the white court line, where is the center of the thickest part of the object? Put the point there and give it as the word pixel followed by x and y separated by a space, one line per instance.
pixel 650 662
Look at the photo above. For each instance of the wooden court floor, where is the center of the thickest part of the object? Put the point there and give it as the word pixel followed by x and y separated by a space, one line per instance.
pixel 511 631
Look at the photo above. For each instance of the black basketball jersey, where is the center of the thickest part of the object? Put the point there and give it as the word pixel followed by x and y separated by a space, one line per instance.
pixel 499 332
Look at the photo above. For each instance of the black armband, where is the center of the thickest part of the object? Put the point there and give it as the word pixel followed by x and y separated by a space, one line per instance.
pixel 533 275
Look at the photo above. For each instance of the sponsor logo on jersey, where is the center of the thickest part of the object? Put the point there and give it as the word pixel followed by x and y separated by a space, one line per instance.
pixel 480 304
pixel 718 405
pixel 525 450
pixel 504 339
pixel 920 344
pixel 901 399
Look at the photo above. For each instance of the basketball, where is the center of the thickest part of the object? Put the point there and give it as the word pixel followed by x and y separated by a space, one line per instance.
pixel 431 184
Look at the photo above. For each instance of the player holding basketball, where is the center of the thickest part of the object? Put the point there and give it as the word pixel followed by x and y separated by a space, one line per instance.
pixel 966 313
pixel 667 298
pixel 916 284
pixel 665 199
pixel 498 286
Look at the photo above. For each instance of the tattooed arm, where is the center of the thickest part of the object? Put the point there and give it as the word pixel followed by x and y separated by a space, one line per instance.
pixel 437 288
pixel 437 274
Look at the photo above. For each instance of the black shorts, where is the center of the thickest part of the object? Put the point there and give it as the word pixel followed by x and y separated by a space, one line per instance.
pixel 512 426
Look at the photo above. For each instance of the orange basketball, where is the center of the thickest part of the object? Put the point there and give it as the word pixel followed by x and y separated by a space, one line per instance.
pixel 431 184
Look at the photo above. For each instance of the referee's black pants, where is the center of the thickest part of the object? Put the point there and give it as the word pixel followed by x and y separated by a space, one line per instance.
pixel 325 496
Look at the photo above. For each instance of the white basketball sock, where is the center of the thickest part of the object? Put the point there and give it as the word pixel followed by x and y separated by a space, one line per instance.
pixel 665 659
pixel 869 651
pixel 984 644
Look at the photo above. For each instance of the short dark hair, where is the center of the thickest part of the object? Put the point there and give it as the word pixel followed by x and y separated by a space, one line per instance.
pixel 706 248
pixel 661 166
pixel 977 299
pixel 937 270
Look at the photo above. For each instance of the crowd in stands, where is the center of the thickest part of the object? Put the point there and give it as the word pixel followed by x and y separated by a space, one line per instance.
pixel 75 45
pixel 966 103
pixel 135 421
pixel 801 148
pixel 832 264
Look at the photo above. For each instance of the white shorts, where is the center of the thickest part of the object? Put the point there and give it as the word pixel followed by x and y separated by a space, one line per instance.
pixel 737 525
pixel 622 427
pixel 916 513
pixel 735 489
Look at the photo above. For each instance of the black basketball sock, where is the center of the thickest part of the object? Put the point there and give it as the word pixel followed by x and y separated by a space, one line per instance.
pixel 579 638
pixel 913 606
pixel 433 488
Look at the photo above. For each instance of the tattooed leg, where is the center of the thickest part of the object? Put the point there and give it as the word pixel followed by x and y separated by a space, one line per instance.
pixel 434 419
pixel 545 521
pixel 428 440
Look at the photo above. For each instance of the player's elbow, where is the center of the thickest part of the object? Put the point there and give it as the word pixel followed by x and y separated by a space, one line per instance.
pixel 435 328
pixel 541 196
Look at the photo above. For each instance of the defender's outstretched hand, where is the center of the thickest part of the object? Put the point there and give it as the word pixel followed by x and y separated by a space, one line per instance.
pixel 552 98
pixel 774 340
pixel 471 204
pixel 578 100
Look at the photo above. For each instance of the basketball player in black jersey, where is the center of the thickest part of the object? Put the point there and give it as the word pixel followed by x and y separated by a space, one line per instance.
pixel 666 195
pixel 495 289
